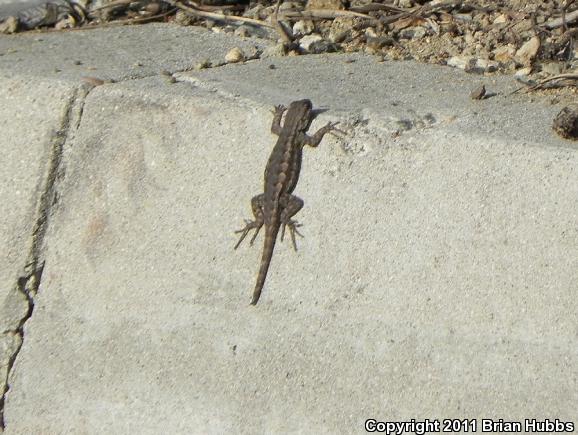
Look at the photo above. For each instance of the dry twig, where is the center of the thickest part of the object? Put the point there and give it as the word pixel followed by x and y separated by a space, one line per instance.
pixel 541 84
pixel 216 16
pixel 115 23
pixel 278 26
pixel 322 14
pixel 562 21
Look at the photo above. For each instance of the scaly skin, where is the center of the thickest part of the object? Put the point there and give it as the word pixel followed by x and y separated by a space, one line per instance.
pixel 276 206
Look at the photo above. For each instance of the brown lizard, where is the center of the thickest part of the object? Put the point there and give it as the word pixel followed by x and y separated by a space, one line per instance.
pixel 276 206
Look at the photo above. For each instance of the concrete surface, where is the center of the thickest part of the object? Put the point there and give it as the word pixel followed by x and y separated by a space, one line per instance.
pixel 26 159
pixel 437 277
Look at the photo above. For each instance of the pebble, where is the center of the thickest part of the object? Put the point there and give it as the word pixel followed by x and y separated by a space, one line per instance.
pixel 523 72
pixel 276 50
pixel 9 25
pixel 500 19
pixel 504 53
pixel 566 123
pixel 416 32
pixel 528 51
pixel 303 27
pixel 461 62
pixel 308 40
pixel 478 93
pixel 234 55
pixel 552 68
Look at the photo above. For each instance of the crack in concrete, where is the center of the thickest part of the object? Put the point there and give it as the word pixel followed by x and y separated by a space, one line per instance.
pixel 28 284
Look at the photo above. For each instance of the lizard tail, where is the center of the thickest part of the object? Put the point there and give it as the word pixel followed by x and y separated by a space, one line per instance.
pixel 269 245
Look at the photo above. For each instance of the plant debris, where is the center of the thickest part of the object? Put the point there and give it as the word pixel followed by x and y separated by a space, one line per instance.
pixel 536 39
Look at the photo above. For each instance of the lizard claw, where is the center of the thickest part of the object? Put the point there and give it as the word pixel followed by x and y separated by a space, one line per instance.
pixel 330 128
pixel 278 109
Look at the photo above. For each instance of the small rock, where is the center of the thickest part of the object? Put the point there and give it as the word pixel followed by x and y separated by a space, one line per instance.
pixel 380 42
pixel 289 5
pixel 307 41
pixel 552 68
pixel 370 33
pixel 522 26
pixel 242 31
pixel 93 81
pixel 339 35
pixel 566 123
pixel 501 19
pixel 527 52
pixel 449 28
pixel 469 38
pixel 204 64
pixel 168 76
pixel 9 25
pixel 504 53
pixel 255 13
pixel 478 93
pixel 472 64
pixel 183 19
pixel 66 23
pixel 416 32
pixel 461 62
pixel 485 65
pixel 323 47
pixel 462 17
pixel 325 4
pixel 276 50
pixel 234 55
pixel 523 72
pixel 303 27
pixel 153 8
pixel 340 29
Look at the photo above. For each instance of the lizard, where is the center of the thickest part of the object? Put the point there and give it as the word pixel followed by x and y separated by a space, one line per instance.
pixel 275 207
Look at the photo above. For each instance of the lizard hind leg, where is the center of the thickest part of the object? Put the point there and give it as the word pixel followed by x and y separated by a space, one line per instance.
pixel 257 206
pixel 291 205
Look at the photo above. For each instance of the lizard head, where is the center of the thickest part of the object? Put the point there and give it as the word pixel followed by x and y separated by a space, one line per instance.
pixel 300 112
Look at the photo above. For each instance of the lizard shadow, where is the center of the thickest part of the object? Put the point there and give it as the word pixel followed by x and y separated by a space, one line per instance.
pixel 316 112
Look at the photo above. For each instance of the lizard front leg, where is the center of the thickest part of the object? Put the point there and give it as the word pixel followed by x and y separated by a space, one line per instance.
pixel 315 140
pixel 257 203
pixel 277 115
pixel 290 205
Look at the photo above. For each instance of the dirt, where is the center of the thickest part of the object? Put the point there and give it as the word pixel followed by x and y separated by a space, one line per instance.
pixel 532 39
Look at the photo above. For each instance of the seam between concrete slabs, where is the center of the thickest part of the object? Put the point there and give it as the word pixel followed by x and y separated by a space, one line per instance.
pixel 29 281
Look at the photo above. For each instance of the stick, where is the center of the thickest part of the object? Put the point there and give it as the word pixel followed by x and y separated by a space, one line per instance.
pixel 278 26
pixel 216 16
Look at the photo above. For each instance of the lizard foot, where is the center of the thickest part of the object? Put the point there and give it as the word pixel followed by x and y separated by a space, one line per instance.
pixel 249 225
pixel 278 109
